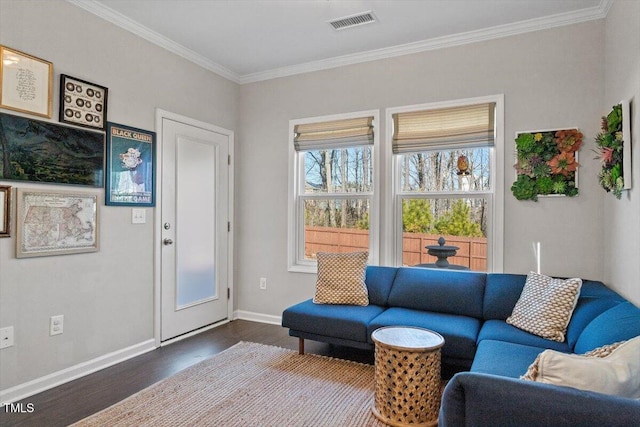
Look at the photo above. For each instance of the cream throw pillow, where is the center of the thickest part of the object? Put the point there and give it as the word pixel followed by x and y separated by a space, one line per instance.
pixel 604 351
pixel 616 374
pixel 545 306
pixel 341 278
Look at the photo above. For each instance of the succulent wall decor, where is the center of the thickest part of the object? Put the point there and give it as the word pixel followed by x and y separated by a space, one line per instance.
pixel 546 163
pixel 614 150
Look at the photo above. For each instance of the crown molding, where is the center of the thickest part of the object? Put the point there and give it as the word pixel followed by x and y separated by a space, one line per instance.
pixel 134 27
pixel 538 24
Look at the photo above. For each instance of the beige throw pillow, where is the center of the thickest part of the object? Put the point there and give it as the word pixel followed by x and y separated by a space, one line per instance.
pixel 341 278
pixel 604 351
pixel 545 306
pixel 616 374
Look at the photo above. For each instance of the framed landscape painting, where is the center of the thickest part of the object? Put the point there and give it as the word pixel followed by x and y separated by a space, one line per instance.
pixel 37 151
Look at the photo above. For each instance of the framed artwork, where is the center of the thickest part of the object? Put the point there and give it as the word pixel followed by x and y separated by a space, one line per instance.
pixel 131 154
pixel 56 223
pixel 614 150
pixel 547 163
pixel 83 103
pixel 26 83
pixel 39 151
pixel 5 211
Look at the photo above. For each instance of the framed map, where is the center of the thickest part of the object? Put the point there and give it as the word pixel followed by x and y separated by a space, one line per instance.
pixel 56 223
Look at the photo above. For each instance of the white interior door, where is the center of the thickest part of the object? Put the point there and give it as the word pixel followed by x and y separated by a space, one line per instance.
pixel 195 240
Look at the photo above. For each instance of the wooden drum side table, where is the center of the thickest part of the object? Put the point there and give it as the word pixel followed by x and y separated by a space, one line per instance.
pixel 407 375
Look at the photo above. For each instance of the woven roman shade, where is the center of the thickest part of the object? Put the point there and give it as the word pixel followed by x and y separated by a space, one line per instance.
pixel 445 128
pixel 333 134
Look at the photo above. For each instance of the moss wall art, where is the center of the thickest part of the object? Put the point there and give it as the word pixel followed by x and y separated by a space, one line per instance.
pixel 546 163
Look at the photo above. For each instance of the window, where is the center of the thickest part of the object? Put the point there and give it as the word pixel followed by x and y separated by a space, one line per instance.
pixel 332 202
pixel 447 181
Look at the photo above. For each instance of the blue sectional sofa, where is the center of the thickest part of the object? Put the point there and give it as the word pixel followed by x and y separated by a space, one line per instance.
pixel 469 309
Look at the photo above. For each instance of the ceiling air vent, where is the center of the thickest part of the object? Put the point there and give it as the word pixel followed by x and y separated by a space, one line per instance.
pixel 353 21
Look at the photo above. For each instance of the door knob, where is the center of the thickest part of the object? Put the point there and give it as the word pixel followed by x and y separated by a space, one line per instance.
pixel 167 241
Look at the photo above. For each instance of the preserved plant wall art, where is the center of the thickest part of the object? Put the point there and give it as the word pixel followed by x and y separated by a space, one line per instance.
pixel 546 163
pixel 614 150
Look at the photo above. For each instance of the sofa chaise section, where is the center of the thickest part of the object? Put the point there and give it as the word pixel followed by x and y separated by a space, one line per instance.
pixel 341 324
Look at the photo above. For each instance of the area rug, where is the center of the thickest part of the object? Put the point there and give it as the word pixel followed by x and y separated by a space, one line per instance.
pixel 253 385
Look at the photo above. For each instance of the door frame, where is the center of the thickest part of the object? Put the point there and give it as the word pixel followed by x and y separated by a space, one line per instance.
pixel 157 238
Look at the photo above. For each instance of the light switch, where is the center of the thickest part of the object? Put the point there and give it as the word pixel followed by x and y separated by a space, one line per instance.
pixel 138 216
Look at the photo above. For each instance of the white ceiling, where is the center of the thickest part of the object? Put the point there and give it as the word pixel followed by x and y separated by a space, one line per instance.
pixel 253 40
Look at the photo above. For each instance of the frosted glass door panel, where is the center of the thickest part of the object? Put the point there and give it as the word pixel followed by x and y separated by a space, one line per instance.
pixel 195 224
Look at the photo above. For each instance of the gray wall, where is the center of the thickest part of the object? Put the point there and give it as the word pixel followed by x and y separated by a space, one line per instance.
pixel 621 218
pixel 106 297
pixel 550 79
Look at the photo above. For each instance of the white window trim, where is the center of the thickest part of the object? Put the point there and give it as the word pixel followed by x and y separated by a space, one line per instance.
pixel 295 259
pixel 392 212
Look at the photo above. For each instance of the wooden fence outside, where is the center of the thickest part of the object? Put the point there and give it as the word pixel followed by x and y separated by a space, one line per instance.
pixel 472 252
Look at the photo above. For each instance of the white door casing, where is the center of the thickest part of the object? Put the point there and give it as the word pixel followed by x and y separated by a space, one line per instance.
pixel 193 239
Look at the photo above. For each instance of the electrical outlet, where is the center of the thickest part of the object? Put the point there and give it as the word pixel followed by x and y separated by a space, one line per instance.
pixel 56 325
pixel 263 283
pixel 6 337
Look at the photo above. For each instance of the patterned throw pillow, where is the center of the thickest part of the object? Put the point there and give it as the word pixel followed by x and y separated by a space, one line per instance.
pixel 341 278
pixel 604 351
pixel 545 306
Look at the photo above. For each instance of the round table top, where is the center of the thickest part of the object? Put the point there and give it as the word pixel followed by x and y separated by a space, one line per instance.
pixel 407 338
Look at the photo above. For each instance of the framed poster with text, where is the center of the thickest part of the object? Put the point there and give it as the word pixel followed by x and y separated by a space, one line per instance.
pixel 26 83
pixel 131 154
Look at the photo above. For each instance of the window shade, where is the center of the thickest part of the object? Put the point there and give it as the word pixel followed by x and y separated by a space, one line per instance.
pixel 456 127
pixel 333 134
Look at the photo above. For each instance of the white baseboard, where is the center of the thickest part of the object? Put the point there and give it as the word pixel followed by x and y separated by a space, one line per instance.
pixel 55 379
pixel 257 317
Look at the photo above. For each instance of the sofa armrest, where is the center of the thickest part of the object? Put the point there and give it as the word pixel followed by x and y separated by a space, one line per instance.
pixel 474 399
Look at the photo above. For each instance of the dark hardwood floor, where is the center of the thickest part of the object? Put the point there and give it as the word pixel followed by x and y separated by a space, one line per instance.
pixel 80 398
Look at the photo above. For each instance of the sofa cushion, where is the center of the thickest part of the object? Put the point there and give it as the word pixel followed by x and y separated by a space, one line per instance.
pixel 597 289
pixel 459 332
pixel 439 290
pixel 546 305
pixel 341 278
pixel 504 358
pixel 617 374
pixel 619 323
pixel 587 309
pixel 379 281
pixel 347 322
pixel 501 293
pixel 499 330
